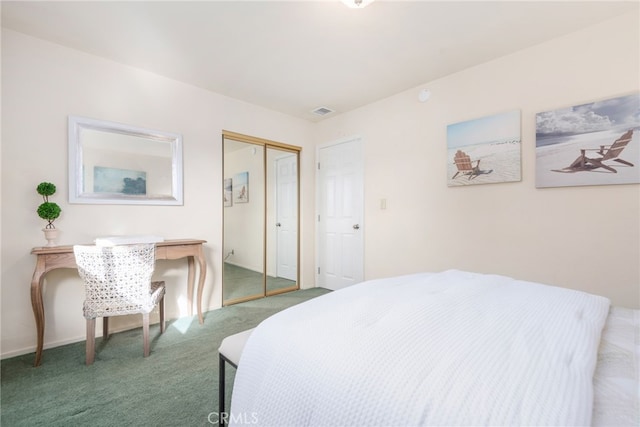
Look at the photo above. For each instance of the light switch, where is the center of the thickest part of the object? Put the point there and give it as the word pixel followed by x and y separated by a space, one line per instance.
pixel 383 204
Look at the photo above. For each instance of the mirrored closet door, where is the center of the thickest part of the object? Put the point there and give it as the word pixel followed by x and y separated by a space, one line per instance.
pixel 261 218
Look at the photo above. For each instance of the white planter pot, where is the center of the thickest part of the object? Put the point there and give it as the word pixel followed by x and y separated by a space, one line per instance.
pixel 51 234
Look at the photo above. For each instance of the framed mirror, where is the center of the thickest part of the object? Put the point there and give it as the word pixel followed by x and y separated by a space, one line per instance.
pixel 114 163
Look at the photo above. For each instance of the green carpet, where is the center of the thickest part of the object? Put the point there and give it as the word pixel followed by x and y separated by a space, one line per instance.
pixel 177 385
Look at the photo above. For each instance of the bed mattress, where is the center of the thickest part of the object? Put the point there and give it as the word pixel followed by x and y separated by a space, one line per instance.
pixel 280 377
pixel 617 380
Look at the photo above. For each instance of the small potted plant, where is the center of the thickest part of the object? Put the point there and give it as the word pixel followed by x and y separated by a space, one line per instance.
pixel 48 211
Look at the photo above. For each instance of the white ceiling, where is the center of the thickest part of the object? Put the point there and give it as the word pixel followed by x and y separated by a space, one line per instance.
pixel 295 56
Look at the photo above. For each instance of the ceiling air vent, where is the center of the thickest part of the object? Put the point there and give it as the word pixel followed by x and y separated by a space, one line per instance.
pixel 322 111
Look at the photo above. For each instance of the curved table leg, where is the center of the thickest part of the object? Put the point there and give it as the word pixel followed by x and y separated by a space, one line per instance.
pixel 38 306
pixel 190 282
pixel 203 273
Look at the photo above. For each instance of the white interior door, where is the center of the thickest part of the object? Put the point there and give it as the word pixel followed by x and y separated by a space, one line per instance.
pixel 287 217
pixel 340 215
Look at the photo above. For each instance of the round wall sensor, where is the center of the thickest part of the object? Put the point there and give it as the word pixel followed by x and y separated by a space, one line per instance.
pixel 424 95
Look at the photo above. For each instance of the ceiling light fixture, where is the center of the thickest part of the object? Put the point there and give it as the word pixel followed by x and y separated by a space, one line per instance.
pixel 357 4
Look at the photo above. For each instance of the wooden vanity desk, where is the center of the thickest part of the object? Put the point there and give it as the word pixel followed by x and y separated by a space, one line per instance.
pixel 54 257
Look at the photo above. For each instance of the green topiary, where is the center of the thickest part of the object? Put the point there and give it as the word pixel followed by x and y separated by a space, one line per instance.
pixel 48 210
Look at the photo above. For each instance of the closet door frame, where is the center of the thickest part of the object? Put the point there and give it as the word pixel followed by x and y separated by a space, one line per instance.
pixel 265 144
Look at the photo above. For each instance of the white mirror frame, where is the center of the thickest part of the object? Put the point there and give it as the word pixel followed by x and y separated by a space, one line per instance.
pixel 77 193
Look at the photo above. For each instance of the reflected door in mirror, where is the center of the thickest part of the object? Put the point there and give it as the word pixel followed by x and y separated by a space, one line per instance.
pixel 282 209
pixel 287 217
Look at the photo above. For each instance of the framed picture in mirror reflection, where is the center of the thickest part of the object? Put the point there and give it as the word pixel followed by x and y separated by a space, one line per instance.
pixel 240 187
pixel 228 192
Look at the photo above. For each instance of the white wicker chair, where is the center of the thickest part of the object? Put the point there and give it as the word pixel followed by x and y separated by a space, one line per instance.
pixel 118 282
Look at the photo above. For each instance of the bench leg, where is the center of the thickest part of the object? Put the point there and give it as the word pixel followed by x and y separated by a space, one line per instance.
pixel 221 385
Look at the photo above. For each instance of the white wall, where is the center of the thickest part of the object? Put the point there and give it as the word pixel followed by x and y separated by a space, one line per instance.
pixel 43 83
pixel 585 238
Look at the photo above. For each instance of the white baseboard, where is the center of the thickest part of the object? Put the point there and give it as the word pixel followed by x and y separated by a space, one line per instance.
pixel 73 340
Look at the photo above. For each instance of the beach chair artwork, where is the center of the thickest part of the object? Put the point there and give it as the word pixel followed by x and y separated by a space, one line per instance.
pixel 465 166
pixel 605 153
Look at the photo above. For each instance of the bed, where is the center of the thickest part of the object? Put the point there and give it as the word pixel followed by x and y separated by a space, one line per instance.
pixel 449 348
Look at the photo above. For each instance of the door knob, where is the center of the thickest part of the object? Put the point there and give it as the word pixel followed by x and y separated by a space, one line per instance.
pixel 278 224
pixel 356 226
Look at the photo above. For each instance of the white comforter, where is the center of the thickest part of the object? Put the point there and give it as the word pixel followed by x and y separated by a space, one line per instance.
pixel 451 348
